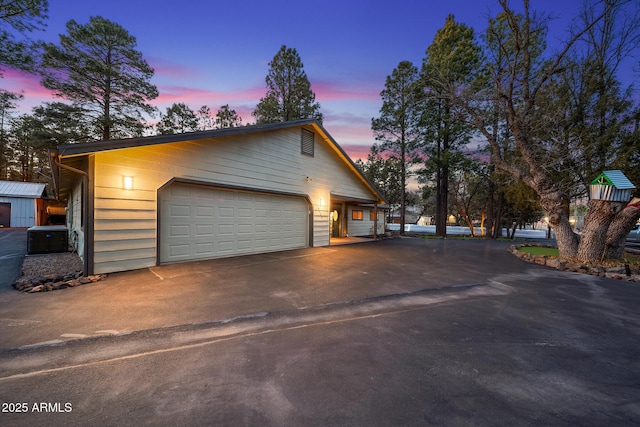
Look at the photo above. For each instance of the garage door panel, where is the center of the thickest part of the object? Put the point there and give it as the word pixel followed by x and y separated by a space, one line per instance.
pixel 204 248
pixel 204 230
pixel 198 222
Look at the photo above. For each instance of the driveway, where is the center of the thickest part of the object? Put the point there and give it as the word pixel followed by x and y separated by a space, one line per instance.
pixel 205 291
pixel 13 247
pixel 397 332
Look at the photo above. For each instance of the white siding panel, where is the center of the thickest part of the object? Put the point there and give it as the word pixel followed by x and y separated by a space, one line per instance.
pixel 365 227
pixel 23 211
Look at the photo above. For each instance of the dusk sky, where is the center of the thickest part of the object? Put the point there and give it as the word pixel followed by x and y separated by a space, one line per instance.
pixel 217 52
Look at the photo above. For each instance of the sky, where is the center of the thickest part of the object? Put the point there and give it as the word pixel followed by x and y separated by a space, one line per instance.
pixel 217 52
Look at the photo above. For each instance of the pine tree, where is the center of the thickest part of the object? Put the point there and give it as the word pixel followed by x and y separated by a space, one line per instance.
pixel 98 67
pixel 289 95
pixel 398 127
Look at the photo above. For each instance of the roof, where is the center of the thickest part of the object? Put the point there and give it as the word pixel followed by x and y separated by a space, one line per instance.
pixel 115 144
pixel 81 149
pixel 29 190
pixel 614 178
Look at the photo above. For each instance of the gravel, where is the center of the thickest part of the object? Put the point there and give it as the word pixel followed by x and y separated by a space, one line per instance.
pixel 56 264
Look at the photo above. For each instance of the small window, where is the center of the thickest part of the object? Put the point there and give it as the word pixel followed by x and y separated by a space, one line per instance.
pixel 372 215
pixel 307 143
pixel 356 215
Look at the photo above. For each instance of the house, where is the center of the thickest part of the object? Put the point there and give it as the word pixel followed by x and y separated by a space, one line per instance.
pixel 22 204
pixel 140 202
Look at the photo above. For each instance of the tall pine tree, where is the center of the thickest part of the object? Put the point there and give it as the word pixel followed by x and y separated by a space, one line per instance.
pixel 449 61
pixel 98 67
pixel 289 95
pixel 398 127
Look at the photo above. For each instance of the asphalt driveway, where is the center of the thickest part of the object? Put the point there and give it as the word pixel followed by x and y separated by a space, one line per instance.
pixel 397 332
pixel 13 247
pixel 205 291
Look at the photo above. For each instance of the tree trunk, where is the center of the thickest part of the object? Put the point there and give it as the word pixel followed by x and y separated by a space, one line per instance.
pixel 496 226
pixel 566 239
pixel 619 229
pixel 594 234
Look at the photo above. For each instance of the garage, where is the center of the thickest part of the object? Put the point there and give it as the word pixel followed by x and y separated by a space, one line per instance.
pixel 202 222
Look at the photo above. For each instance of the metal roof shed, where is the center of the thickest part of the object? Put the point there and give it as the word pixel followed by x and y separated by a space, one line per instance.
pixel 612 186
pixel 19 203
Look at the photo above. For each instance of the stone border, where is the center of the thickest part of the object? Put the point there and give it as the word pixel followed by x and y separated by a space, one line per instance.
pixel 52 282
pixel 618 273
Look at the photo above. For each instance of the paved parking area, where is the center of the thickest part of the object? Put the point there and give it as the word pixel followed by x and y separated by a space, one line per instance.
pixel 397 332
pixel 13 247
pixel 203 291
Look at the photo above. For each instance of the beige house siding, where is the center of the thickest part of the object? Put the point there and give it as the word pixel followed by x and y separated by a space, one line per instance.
pixel 125 221
pixel 366 226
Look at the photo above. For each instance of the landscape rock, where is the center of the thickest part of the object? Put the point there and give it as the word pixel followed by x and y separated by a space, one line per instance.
pixel 613 272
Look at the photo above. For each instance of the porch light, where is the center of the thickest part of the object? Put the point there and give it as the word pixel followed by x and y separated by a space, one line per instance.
pixel 127 182
pixel 321 202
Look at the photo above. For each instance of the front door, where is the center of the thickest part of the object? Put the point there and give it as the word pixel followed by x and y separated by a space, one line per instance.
pixel 5 214
pixel 336 220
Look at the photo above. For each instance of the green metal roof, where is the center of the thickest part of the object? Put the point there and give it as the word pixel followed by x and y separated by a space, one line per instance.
pixel 614 178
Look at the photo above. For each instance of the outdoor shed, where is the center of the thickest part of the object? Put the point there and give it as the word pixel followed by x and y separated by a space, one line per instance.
pixel 140 202
pixel 22 204
pixel 612 186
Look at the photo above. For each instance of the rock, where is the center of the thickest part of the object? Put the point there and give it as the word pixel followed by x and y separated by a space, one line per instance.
pixel 616 270
pixel 540 260
pixel 38 280
pixel 38 288
pixel 84 280
pixel 556 263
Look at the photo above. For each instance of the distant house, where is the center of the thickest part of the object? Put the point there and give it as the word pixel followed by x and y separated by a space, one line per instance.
pixel 22 204
pixel 140 202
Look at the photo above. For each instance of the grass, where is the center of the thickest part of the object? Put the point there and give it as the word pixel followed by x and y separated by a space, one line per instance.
pixel 633 260
pixel 536 251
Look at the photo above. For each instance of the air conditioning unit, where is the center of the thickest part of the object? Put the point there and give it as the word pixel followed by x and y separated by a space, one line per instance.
pixel 47 239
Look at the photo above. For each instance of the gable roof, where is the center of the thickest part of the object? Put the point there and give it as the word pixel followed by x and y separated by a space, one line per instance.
pixel 81 149
pixel 615 178
pixel 29 190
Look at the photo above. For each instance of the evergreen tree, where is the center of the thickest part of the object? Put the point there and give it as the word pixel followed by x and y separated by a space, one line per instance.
pixel 289 95
pixel 178 119
pixel 398 127
pixel 98 67
pixel 7 105
pixel 227 118
pixel 205 121
pixel 449 61
pixel 21 16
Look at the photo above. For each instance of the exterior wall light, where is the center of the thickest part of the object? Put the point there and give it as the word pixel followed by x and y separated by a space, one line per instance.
pixel 127 182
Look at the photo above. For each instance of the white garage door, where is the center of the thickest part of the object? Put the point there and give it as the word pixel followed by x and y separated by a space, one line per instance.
pixel 199 222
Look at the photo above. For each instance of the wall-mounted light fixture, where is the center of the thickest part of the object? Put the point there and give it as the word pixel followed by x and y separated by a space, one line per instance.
pixel 321 202
pixel 127 182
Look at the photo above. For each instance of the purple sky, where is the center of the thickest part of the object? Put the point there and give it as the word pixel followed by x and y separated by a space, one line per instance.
pixel 217 52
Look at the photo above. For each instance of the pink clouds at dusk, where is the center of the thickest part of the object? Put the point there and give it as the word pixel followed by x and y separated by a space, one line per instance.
pixel 217 53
